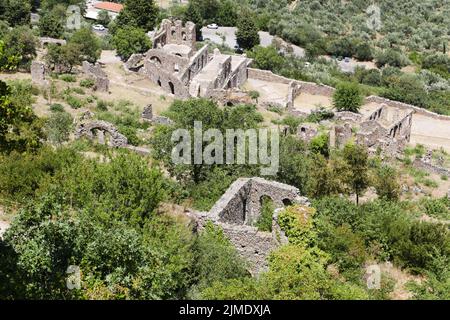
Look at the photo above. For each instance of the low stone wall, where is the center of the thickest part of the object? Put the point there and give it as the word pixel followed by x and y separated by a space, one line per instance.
pixel 405 106
pixel 100 77
pixel 431 168
pixel 306 87
pixel 252 245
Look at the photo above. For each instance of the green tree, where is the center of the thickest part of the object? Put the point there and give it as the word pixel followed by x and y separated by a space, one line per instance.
pixel 266 58
pixel 8 61
pixel 356 177
pixel 63 58
pixel 130 40
pixel 15 12
pixel 51 25
pixel 347 97
pixel 87 43
pixel 142 14
pixel 58 127
pixel 406 88
pixel 103 18
pixel 216 258
pixel 385 183
pixel 247 34
pixel 193 14
pixel 363 52
pixel 20 129
pixel 21 42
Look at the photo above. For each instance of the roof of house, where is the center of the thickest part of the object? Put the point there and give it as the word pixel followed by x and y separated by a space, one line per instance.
pixel 109 6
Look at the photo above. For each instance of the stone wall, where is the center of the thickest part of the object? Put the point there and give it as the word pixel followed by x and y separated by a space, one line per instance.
pixel 426 164
pixel 239 208
pixel 241 203
pixel 405 106
pixel 348 117
pixel 38 73
pixel 196 64
pixel 173 32
pixel 45 41
pixel 306 132
pixel 100 77
pixel 99 130
pixel 306 87
pixel 294 91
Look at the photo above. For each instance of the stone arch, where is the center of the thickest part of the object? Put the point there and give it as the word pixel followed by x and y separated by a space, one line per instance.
pixel 172 87
pixel 101 130
pixel 155 60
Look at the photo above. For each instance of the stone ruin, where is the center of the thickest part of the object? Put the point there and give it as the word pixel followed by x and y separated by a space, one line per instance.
pixel 307 131
pixel 104 132
pixel 175 64
pixel 38 73
pixel 147 115
pixel 385 129
pixel 95 72
pixel 45 41
pixel 427 163
pixel 238 210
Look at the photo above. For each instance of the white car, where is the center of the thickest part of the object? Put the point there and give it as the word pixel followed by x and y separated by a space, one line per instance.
pixel 98 27
pixel 212 26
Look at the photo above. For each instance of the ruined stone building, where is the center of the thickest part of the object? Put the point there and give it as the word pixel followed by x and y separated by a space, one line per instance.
pixel 382 128
pixel 386 129
pixel 238 210
pixel 175 64
pixel 101 131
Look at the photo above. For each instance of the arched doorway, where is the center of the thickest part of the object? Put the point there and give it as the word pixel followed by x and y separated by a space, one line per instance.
pixel 172 87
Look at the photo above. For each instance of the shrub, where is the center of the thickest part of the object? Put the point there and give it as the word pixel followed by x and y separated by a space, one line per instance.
pixel 58 127
pixel 319 144
pixel 78 90
pixel 56 107
pixel 74 102
pixel 386 184
pixel 68 78
pixel 264 222
pixel 297 223
pixel 347 97
pixel 87 83
pixel 102 105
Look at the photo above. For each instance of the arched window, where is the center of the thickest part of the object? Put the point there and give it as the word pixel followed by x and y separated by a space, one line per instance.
pixel 172 87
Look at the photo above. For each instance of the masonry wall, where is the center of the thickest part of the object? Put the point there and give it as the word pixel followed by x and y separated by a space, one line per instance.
pixel 405 106
pixel 307 87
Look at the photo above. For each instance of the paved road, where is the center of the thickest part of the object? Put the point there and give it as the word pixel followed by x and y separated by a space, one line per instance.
pixel 216 36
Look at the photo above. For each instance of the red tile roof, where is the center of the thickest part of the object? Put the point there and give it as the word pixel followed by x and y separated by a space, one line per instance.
pixel 109 6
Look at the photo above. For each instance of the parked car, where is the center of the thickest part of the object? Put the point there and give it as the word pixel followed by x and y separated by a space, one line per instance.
pixel 98 27
pixel 347 59
pixel 212 26
pixel 238 49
